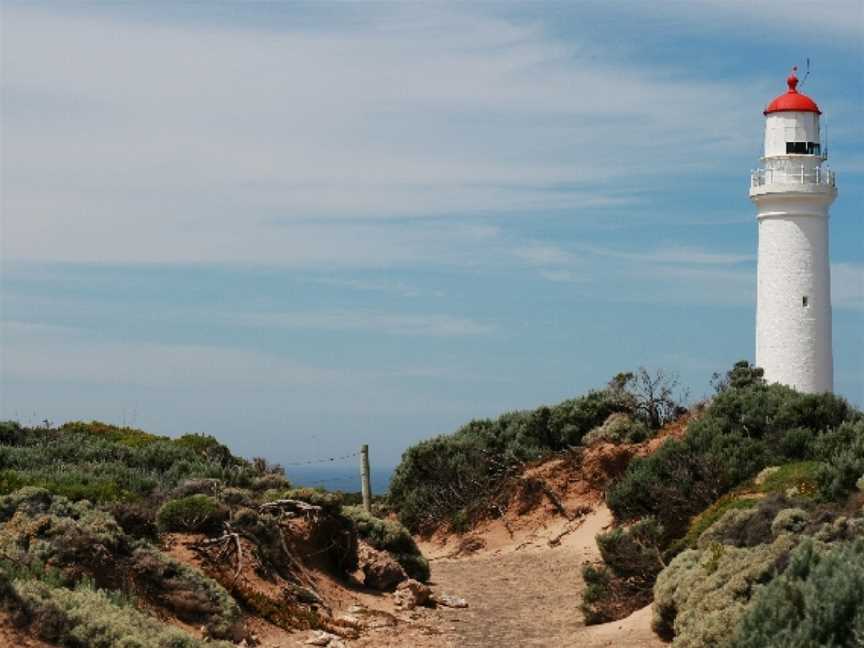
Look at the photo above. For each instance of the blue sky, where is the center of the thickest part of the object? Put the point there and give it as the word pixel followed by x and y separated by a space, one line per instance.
pixel 301 227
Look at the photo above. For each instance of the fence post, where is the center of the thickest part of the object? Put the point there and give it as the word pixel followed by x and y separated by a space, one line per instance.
pixel 364 478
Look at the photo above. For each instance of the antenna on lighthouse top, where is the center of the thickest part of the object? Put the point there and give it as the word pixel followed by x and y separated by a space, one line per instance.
pixel 806 72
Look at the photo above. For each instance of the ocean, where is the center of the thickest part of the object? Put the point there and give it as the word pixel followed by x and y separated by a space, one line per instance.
pixel 339 477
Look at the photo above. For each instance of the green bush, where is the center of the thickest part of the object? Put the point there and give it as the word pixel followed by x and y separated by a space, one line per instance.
pixel 92 618
pixel 743 430
pixel 817 601
pixel 191 514
pixel 791 520
pixel 392 537
pixel 702 593
pixel 713 514
pixel 798 478
pixel 105 463
pixel 330 501
pixel 618 428
pixel 461 472
pixel 634 551
pixel 190 594
pixel 842 451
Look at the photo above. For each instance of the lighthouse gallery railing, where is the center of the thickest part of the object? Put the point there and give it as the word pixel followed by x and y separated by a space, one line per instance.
pixel 817 176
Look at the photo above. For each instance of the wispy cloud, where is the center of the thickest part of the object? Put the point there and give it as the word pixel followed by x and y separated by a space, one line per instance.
pixel 148 142
pixel 543 254
pixel 429 325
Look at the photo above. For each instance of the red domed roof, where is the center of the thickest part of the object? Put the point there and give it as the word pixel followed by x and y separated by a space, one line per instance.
pixel 792 100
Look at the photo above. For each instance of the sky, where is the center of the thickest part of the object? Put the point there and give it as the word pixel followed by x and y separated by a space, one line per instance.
pixel 301 227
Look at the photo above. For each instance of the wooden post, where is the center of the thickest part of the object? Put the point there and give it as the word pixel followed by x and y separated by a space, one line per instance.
pixel 364 478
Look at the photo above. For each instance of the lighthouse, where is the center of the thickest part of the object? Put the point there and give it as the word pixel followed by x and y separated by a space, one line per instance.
pixel 792 192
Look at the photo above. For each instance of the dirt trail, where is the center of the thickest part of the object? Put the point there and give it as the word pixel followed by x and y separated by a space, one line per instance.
pixel 528 594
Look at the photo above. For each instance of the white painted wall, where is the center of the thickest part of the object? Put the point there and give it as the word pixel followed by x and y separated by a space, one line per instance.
pixel 793 340
pixel 791 126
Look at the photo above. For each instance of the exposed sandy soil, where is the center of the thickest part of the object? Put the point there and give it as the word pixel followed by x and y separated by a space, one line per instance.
pixel 528 595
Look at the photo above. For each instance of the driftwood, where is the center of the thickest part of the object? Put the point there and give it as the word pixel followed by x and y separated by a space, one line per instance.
pixel 228 543
pixel 290 508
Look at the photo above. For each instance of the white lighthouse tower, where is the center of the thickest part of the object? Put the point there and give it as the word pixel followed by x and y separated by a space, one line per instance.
pixel 792 192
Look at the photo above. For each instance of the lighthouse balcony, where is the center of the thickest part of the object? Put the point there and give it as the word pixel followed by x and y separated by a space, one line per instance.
pixel 803 180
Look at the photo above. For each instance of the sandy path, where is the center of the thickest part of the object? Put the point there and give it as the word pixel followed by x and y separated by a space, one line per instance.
pixel 530 596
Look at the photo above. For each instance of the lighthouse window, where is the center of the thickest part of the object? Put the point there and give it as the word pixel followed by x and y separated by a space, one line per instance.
pixel 805 301
pixel 803 148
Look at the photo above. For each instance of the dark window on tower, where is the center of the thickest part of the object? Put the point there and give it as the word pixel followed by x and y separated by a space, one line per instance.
pixel 803 148
pixel 805 301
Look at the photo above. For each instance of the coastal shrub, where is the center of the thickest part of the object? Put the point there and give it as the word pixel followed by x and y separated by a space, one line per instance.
pixel 791 520
pixel 462 471
pixel 136 520
pixel 817 601
pixel 703 592
pixel 618 428
pixel 717 511
pixel 672 485
pixel 92 618
pixel 390 536
pixel 799 479
pixel 746 522
pixel 633 551
pixel 632 560
pixel 330 501
pixel 105 463
pixel 190 514
pixel 842 451
pixel 741 432
pixel 190 594
pixel 597 595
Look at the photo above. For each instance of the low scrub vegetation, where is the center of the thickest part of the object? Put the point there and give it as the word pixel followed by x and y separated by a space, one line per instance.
pixel 754 465
pixel 191 514
pixel 389 535
pixel 818 600
pixel 84 616
pixel 452 478
pixel 105 463
pixel 86 516
pixel 748 426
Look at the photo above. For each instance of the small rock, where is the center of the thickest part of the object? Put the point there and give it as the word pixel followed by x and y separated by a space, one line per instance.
pixel 321 638
pixel 411 593
pixel 448 600
pixel 380 570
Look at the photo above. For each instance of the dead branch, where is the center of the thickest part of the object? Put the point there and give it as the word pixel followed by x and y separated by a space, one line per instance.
pixel 290 508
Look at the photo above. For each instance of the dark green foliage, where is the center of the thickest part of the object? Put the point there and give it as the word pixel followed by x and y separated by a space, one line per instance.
pixel 598 587
pixel 634 551
pixel 390 536
pixel 799 476
pixel 136 520
pixel 608 597
pixel 188 593
pixel 106 463
pixel 632 560
pixel 458 473
pixel 748 426
pixel 190 514
pixel 712 514
pixel 817 601
pixel 618 428
pixel 675 483
pixel 330 501
pixel 93 618
pixel 842 450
